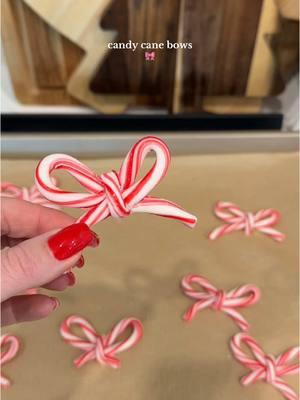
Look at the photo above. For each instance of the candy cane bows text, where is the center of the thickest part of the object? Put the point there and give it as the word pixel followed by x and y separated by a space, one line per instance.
pixel 209 296
pixel 115 194
pixel 102 348
pixel 13 344
pixel 264 367
pixel 237 220
pixel 32 194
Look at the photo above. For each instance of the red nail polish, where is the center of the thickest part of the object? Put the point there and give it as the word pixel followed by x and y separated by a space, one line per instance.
pixel 71 240
pixel 80 262
pixel 72 278
pixel 56 303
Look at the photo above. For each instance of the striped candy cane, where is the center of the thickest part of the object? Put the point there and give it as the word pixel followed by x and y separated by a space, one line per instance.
pixel 209 296
pixel 264 367
pixel 115 194
pixel 102 348
pixel 13 347
pixel 32 194
pixel 237 220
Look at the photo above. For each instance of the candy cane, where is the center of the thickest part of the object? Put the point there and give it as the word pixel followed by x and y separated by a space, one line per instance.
pixel 209 296
pixel 237 220
pixel 115 194
pixel 32 194
pixel 102 348
pixel 8 355
pixel 264 367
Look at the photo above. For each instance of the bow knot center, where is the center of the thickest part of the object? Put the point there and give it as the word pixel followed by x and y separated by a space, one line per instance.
pixel 249 223
pixel 99 349
pixel 220 297
pixel 270 369
pixel 25 194
pixel 114 194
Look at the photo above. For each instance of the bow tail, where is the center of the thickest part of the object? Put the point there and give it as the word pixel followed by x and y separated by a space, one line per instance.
pixel 237 318
pixel 95 214
pixel 164 208
pixel 197 306
pixel 112 361
pixel 253 376
pixel 287 392
pixel 84 358
pixel 273 233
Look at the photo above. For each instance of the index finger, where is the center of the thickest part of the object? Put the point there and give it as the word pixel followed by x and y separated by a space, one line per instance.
pixel 21 219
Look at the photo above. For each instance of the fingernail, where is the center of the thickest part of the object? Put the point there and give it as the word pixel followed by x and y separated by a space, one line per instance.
pixel 56 303
pixel 71 278
pixel 80 262
pixel 71 240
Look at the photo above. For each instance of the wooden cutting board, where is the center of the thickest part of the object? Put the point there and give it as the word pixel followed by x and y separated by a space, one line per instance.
pixel 127 71
pixel 80 24
pixel 223 33
pixel 40 60
pixel 66 58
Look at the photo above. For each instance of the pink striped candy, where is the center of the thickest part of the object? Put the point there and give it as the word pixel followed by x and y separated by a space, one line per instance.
pixel 266 368
pixel 7 355
pixel 102 348
pixel 237 220
pixel 206 295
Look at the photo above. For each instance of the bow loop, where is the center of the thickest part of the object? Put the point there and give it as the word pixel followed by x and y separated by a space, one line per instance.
pixel 32 194
pixel 237 220
pixel 12 345
pixel 102 348
pixel 115 194
pixel 209 296
pixel 265 367
pixel 219 301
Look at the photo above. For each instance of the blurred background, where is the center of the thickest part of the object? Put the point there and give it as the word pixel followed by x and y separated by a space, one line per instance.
pixel 58 74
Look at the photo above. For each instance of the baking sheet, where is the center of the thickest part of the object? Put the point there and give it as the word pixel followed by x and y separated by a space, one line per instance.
pixel 136 272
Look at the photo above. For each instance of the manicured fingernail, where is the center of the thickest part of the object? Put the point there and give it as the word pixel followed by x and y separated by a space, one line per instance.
pixel 71 278
pixel 56 303
pixel 71 240
pixel 80 262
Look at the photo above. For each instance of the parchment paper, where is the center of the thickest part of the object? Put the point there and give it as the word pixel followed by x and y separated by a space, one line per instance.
pixel 137 271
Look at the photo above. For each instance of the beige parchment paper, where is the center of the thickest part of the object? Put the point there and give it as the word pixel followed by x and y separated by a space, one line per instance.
pixel 137 271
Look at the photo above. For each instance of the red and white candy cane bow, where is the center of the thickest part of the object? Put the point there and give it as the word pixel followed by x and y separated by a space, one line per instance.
pixel 32 194
pixel 209 296
pixel 102 348
pixel 237 220
pixel 115 194
pixel 13 347
pixel 264 367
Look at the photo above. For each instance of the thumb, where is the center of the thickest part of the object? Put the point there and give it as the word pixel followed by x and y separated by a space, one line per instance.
pixel 39 260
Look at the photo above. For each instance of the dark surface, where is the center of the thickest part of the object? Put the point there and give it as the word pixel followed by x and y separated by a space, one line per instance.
pixel 127 71
pixel 223 33
pixel 37 123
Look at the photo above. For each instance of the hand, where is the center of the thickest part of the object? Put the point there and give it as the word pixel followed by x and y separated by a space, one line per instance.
pixel 37 253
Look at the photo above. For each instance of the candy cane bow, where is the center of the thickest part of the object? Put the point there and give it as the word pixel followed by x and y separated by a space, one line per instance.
pixel 209 296
pixel 13 347
pixel 264 367
pixel 113 194
pixel 102 348
pixel 32 194
pixel 237 220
